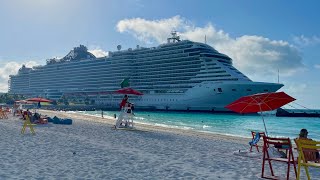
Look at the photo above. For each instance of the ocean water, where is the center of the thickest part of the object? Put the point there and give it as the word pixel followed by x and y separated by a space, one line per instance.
pixel 227 124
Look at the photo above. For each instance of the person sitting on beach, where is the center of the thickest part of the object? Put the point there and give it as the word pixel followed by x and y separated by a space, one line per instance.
pixel 35 117
pixel 25 114
pixel 312 156
pixel 129 110
pixel 41 120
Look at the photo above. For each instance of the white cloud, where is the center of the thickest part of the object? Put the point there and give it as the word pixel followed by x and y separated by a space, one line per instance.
pixel 306 41
pixel 317 66
pixel 98 52
pixel 11 68
pixel 305 94
pixel 255 56
pixel 148 31
pixel 295 88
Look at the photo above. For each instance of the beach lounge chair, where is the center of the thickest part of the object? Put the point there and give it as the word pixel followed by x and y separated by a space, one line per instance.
pixel 3 114
pixel 308 150
pixel 279 144
pixel 256 136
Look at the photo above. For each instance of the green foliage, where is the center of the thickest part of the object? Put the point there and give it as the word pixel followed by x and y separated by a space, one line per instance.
pixel 10 98
pixel 87 101
pixel 54 102
pixel 92 102
pixel 63 100
pixel 66 102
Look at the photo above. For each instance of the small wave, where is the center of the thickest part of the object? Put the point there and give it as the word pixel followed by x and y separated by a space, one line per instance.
pixel 71 112
pixel 205 126
pixel 139 118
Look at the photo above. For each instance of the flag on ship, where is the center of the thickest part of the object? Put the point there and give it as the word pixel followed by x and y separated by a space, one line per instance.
pixel 125 83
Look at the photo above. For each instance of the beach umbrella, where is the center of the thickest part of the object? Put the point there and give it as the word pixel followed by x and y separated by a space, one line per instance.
pixel 38 99
pixel 128 91
pixel 259 103
pixel 22 102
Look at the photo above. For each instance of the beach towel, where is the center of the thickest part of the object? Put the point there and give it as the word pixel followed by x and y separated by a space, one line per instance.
pixel 50 119
pixel 67 121
pixel 274 153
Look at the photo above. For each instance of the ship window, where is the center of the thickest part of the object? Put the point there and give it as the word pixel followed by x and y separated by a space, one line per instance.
pixel 234 90
pixel 219 90
pixel 249 90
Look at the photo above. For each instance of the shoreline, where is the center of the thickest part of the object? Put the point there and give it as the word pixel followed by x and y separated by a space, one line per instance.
pixel 148 127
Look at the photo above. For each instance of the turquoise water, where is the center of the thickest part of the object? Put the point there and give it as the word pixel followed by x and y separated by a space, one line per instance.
pixel 228 124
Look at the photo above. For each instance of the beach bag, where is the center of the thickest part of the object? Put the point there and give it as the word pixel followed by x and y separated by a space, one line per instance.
pixel 67 121
pixel 50 119
pixel 56 120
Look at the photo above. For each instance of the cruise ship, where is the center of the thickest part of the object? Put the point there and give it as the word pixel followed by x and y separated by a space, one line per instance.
pixel 177 75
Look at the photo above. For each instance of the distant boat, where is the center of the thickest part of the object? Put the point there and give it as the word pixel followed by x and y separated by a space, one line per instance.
pixel 296 113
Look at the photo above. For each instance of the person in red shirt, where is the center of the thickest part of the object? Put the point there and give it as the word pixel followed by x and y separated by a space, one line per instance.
pixel 124 101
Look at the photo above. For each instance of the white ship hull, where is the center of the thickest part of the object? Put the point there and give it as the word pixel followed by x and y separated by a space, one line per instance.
pixel 204 97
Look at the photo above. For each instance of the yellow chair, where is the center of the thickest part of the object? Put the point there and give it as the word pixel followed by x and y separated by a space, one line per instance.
pixel 1 114
pixel 28 123
pixel 4 114
pixel 307 149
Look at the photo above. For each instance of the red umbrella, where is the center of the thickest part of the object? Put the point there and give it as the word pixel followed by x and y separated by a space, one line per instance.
pixel 128 91
pixel 260 102
pixel 38 99
pixel 22 102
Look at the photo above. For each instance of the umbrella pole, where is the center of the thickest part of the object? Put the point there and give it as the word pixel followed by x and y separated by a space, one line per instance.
pixel 265 128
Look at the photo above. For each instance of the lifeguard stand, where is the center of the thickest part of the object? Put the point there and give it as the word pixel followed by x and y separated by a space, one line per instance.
pixel 125 118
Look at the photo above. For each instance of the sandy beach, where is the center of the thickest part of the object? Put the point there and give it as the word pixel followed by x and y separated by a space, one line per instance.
pixel 91 149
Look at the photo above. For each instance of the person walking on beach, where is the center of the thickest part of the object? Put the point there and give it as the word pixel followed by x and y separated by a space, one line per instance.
pixel 101 113
pixel 124 102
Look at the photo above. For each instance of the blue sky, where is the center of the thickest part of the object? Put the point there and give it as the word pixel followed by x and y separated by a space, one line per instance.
pixel 260 36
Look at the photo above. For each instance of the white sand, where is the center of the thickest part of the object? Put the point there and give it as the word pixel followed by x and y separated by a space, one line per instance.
pixel 103 153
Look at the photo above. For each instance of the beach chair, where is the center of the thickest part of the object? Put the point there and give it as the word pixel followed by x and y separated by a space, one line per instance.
pixel 1 114
pixel 279 144
pixel 28 123
pixel 256 136
pixel 307 150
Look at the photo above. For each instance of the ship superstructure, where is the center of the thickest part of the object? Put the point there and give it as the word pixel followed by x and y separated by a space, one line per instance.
pixel 177 75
